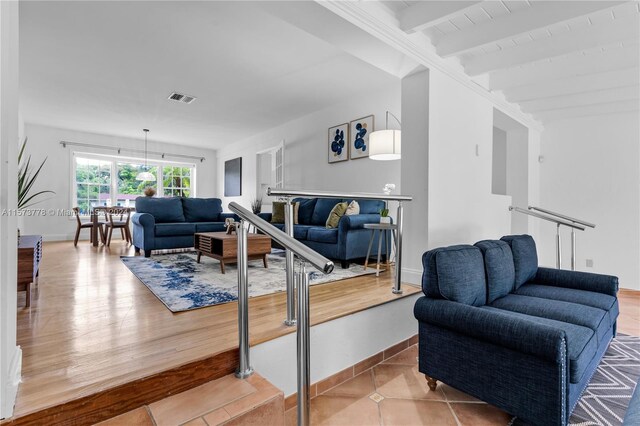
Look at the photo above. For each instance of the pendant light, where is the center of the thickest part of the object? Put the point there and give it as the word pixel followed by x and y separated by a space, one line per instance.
pixel 146 175
pixel 385 144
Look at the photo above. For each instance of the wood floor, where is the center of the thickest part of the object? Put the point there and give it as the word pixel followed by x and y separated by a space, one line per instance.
pixel 93 326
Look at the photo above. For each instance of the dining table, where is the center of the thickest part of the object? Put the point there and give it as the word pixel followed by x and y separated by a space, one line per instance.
pixel 95 217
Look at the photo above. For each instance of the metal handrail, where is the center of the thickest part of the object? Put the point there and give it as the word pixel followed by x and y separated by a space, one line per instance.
pixel 302 251
pixel 304 254
pixel 549 218
pixel 562 216
pixel 278 192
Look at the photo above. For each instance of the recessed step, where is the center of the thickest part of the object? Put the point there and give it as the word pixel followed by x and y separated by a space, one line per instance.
pixel 227 401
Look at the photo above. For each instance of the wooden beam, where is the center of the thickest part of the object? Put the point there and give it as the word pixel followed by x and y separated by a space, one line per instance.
pixel 617 94
pixel 429 13
pixel 539 15
pixel 574 85
pixel 614 30
pixel 588 110
pixel 568 67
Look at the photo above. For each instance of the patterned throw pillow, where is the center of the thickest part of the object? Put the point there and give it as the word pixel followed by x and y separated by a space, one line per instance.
pixel 354 208
pixel 336 213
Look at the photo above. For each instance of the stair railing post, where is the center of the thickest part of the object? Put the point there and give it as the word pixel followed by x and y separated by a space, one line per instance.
pixel 573 249
pixel 397 287
pixel 244 368
pixel 558 248
pixel 289 266
pixel 303 342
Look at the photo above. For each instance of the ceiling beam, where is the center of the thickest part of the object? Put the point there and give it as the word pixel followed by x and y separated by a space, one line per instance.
pixel 539 15
pixel 430 13
pixel 573 85
pixel 617 94
pixel 614 30
pixel 588 110
pixel 595 62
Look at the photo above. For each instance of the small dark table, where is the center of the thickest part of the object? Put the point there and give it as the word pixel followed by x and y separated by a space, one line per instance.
pixel 29 256
pixel 224 247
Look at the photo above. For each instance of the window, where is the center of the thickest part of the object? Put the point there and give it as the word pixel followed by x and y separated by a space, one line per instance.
pixel 103 180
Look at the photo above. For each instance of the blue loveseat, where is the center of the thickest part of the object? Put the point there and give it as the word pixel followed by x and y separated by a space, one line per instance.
pixel 347 242
pixel 169 223
pixel 523 338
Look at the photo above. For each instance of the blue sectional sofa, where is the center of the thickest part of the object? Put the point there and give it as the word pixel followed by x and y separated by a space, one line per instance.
pixel 347 242
pixel 169 223
pixel 523 338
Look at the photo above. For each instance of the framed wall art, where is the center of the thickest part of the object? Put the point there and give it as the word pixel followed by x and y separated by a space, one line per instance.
pixel 359 131
pixel 338 143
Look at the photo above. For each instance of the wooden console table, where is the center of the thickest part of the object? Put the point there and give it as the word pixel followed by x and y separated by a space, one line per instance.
pixel 29 256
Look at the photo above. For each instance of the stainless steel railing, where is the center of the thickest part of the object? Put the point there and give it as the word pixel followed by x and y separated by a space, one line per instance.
pixel 559 220
pixel 304 254
pixel 289 193
pixel 573 230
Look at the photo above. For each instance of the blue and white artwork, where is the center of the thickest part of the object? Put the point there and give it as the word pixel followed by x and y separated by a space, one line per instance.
pixel 359 131
pixel 338 146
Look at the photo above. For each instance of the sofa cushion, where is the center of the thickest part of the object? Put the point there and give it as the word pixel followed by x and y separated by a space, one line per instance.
pixel 277 212
pixel 498 265
pixel 322 210
pixel 201 209
pixel 455 273
pixel 164 210
pixel 173 229
pixel 370 206
pixel 323 235
pixel 586 316
pixel 210 227
pixel 583 297
pixel 336 213
pixel 525 257
pixel 582 343
pixel 305 211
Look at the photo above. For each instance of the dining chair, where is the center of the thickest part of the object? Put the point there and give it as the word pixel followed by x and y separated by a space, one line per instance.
pixel 83 225
pixel 118 218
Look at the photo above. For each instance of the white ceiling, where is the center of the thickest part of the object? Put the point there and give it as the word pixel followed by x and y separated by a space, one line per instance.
pixel 108 67
pixel 555 59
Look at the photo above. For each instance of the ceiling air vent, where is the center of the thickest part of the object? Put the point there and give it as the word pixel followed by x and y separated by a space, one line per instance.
pixel 181 97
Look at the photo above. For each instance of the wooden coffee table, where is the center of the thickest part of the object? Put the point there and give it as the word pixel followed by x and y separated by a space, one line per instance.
pixel 224 247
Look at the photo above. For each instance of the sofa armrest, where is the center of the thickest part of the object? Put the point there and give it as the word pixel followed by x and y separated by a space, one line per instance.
pixel 357 221
pixel 265 216
pixel 606 284
pixel 499 328
pixel 224 216
pixel 146 220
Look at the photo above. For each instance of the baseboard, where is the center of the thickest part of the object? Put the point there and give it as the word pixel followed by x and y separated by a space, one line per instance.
pixel 10 388
pixel 60 237
pixel 412 276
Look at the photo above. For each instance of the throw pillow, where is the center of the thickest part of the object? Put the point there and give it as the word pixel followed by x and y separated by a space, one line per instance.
pixel 336 213
pixel 277 212
pixel 277 215
pixel 353 208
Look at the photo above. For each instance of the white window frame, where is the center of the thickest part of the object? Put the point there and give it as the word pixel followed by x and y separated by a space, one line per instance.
pixel 115 159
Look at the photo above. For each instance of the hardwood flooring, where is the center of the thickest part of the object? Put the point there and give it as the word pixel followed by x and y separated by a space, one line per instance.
pixel 93 327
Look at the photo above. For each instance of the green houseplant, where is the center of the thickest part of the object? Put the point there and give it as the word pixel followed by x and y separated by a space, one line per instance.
pixel 384 216
pixel 27 176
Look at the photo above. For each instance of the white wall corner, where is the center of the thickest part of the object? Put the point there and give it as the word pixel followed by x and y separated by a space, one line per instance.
pixel 10 387
pixel 412 276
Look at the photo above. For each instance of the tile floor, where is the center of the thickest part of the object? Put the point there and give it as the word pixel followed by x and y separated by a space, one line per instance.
pixel 394 392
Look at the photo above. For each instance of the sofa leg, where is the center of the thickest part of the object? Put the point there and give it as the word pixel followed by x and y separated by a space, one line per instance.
pixel 344 264
pixel 147 253
pixel 431 382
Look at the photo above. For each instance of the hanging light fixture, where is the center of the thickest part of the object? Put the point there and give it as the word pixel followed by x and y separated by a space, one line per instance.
pixel 385 144
pixel 146 175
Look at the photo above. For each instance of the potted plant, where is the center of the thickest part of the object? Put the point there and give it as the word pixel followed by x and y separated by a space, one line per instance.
pixel 256 205
pixel 26 178
pixel 384 216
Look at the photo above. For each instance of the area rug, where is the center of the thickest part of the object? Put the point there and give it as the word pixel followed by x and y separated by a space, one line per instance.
pixel 607 396
pixel 182 284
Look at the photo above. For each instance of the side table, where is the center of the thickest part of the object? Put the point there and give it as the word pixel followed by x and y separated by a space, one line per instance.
pixel 29 256
pixel 382 229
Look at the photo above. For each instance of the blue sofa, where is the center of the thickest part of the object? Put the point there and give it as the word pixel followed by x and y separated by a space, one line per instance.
pixel 169 223
pixel 523 338
pixel 347 242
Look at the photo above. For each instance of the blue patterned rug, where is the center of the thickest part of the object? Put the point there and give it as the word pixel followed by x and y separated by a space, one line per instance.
pixel 182 284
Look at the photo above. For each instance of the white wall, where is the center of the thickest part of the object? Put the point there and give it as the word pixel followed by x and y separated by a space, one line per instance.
pixel 591 171
pixel 517 177
pixel 499 175
pixel 10 353
pixel 56 175
pixel 306 165
pixel 462 209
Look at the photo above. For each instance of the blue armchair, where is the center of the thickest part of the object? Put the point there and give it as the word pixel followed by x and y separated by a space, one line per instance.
pixel 525 339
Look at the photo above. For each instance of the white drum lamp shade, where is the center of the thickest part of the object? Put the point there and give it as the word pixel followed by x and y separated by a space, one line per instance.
pixel 385 145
